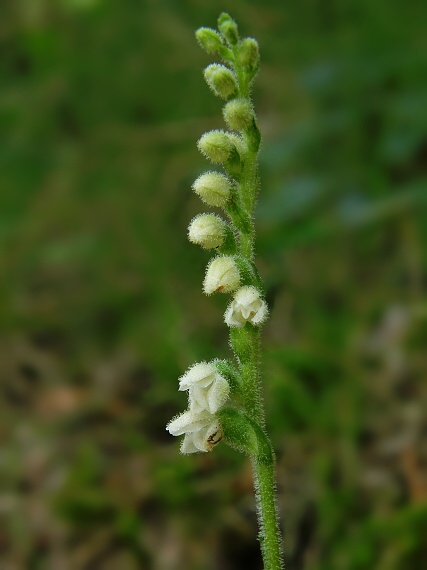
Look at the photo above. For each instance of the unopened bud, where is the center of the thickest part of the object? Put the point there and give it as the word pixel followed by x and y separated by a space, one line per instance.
pixel 238 114
pixel 222 276
pixel 216 145
pixel 228 28
pixel 213 188
pixel 207 230
pixel 221 80
pixel 209 40
pixel 248 55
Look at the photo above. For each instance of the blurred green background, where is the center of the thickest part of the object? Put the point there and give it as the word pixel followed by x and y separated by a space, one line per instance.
pixel 101 309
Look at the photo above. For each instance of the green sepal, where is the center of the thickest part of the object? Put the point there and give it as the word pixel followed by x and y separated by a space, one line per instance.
pixel 230 373
pixel 259 284
pixel 229 245
pixel 265 455
pixel 245 435
pixel 234 164
pixel 237 215
pixel 238 431
pixel 254 136
pixel 248 273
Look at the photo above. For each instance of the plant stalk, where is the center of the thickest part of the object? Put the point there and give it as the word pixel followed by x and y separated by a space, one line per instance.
pixel 263 465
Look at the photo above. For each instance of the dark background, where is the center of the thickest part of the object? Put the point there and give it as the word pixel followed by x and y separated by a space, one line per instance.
pixel 101 308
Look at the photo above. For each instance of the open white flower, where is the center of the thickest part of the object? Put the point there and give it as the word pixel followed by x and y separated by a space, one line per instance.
pixel 208 390
pixel 202 431
pixel 246 306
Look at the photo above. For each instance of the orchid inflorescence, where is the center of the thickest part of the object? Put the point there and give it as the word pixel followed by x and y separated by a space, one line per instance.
pixel 231 270
pixel 224 398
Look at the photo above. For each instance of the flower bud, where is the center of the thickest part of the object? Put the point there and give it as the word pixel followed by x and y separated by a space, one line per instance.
pixel 221 80
pixel 222 276
pixel 228 28
pixel 207 230
pixel 246 306
pixel 213 188
pixel 209 40
pixel 216 146
pixel 248 55
pixel 238 114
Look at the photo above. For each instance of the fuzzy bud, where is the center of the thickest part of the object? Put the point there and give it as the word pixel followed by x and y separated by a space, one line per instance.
pixel 213 188
pixel 222 276
pixel 207 230
pixel 209 40
pixel 221 80
pixel 246 306
pixel 248 55
pixel 216 146
pixel 228 28
pixel 238 114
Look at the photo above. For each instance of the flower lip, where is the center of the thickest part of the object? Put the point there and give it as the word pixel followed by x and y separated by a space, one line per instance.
pixel 187 422
pixel 204 440
pixel 202 431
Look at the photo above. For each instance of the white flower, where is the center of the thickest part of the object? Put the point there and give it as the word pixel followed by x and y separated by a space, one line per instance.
pixel 208 390
pixel 222 275
pixel 202 431
pixel 246 306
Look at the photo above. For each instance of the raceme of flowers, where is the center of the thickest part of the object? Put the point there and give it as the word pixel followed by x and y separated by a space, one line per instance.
pixel 231 270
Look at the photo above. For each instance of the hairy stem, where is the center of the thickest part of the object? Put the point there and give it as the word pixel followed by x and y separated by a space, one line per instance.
pixel 238 153
pixel 264 468
pixel 269 535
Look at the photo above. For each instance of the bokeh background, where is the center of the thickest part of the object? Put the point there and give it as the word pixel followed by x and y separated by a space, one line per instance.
pixel 101 308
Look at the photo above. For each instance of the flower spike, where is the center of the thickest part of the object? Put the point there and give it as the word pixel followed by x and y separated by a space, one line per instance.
pixel 224 396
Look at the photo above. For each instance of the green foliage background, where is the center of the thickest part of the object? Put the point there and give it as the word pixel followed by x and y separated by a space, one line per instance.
pixel 101 308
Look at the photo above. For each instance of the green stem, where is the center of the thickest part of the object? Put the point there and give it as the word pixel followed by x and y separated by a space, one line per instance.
pixel 264 464
pixel 269 536
pixel 250 376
